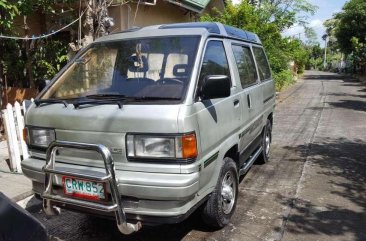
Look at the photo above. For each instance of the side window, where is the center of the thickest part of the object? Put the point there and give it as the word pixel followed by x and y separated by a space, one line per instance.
pixel 214 60
pixel 263 67
pixel 246 67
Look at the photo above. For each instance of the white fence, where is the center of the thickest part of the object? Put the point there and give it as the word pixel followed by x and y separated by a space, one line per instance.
pixel 13 119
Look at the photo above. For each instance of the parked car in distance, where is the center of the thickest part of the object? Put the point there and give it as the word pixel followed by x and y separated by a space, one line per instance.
pixel 149 124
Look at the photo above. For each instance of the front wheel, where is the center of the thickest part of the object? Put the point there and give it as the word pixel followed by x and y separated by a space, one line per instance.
pixel 219 208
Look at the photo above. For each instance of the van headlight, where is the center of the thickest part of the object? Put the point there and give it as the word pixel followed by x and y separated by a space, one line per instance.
pixel 39 137
pixel 156 146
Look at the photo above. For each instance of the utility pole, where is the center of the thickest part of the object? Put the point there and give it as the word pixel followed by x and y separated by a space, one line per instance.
pixel 325 38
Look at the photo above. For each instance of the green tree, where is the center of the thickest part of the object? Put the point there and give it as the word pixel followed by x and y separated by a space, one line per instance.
pixel 352 24
pixel 331 28
pixel 311 36
pixel 8 12
pixel 268 21
pixel 349 27
pixel 39 59
pixel 24 61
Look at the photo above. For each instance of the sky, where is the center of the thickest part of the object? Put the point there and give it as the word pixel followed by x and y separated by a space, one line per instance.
pixel 326 8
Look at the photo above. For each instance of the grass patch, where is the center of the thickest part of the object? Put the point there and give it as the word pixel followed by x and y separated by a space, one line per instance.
pixel 283 79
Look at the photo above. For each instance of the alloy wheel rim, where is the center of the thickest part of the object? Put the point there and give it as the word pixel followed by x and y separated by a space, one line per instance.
pixel 228 194
pixel 267 143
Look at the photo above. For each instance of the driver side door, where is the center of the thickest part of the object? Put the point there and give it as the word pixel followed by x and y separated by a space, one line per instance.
pixel 218 118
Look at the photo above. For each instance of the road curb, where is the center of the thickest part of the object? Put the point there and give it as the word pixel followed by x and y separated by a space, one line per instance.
pixel 22 196
pixel 284 94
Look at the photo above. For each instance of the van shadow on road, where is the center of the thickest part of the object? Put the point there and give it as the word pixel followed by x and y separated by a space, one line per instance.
pixel 76 226
pixel 343 163
pixel 73 226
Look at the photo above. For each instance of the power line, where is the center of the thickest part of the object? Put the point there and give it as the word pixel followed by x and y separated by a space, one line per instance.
pixel 44 35
pixel 137 9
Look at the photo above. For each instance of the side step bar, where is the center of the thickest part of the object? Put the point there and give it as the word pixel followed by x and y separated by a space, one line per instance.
pixel 248 164
pixel 110 177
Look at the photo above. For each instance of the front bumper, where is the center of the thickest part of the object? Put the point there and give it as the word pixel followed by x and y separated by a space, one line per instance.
pixel 151 194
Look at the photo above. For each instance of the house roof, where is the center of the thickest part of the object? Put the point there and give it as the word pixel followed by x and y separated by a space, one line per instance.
pixel 193 5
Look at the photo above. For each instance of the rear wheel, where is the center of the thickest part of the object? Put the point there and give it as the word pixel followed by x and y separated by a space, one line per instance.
pixel 219 208
pixel 266 142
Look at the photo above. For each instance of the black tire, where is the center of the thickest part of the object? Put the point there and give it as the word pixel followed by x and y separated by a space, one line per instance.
pixel 266 143
pixel 217 211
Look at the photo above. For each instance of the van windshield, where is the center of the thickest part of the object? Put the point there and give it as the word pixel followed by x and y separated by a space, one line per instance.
pixel 149 68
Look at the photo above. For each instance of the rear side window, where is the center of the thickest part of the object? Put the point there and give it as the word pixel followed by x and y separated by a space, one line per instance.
pixel 263 67
pixel 246 67
pixel 214 61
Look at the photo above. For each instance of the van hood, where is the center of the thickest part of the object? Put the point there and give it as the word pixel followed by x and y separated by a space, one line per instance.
pixel 106 125
pixel 106 118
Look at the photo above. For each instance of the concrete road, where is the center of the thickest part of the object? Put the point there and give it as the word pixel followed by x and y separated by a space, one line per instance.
pixel 313 188
pixel 14 185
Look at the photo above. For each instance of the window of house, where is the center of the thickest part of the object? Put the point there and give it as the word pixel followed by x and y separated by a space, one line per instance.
pixel 246 67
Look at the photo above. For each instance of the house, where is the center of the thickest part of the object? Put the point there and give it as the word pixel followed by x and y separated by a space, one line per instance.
pixel 125 14
pixel 160 11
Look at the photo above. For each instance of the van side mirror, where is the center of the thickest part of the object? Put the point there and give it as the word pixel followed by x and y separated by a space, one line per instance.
pixel 215 86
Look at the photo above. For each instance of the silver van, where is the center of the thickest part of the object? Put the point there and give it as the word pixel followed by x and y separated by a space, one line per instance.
pixel 152 123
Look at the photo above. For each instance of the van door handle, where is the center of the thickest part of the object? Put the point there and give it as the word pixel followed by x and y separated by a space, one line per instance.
pixel 249 101
pixel 236 102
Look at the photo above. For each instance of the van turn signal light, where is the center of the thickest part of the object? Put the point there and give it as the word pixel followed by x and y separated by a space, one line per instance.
pixel 25 134
pixel 189 146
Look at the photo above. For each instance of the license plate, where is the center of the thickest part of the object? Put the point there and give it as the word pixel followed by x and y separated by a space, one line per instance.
pixel 85 189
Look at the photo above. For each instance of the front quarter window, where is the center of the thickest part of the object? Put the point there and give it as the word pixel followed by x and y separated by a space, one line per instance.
pixel 214 61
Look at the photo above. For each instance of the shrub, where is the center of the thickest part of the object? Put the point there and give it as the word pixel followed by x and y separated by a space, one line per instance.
pixel 283 79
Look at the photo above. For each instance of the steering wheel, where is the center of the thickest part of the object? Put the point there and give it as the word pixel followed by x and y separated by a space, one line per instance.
pixel 170 81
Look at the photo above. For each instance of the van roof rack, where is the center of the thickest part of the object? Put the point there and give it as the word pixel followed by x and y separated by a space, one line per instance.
pixel 211 27
pixel 215 28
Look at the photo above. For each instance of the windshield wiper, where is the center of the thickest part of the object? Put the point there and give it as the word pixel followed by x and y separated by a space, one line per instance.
pixel 119 99
pixel 98 102
pixel 101 99
pixel 154 98
pixel 38 102
pixel 106 96
pixel 132 98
